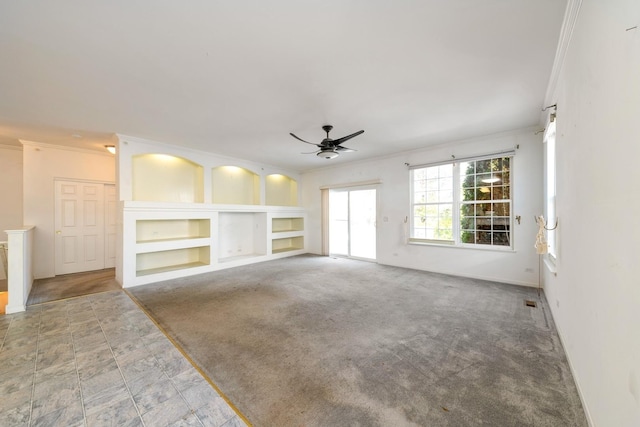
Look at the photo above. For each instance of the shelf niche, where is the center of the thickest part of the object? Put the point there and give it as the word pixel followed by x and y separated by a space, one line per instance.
pixel 165 178
pixel 241 235
pixel 287 244
pixel 281 190
pixel 235 186
pixel 283 225
pixel 175 259
pixel 157 230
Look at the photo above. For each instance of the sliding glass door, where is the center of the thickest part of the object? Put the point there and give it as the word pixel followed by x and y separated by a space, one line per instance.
pixel 352 223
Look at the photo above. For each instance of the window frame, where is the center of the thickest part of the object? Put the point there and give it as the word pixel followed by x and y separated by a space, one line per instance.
pixel 457 204
pixel 550 188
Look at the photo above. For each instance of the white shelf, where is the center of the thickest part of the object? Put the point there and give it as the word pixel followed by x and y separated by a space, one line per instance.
pixel 171 259
pixel 168 268
pixel 171 244
pixel 166 230
pixel 239 258
pixel 287 224
pixel 287 244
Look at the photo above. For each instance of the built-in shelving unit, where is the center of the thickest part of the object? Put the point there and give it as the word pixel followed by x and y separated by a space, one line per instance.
pixel 181 218
pixel 170 240
pixel 287 233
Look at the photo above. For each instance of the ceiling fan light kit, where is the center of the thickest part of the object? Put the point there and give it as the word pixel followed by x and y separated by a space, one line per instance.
pixel 327 154
pixel 330 148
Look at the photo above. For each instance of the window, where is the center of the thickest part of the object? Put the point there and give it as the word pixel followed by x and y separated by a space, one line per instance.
pixel 466 203
pixel 550 188
pixel 433 203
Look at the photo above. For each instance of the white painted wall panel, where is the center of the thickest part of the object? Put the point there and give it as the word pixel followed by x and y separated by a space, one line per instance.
pixel 10 189
pixel 42 164
pixel 519 266
pixel 596 294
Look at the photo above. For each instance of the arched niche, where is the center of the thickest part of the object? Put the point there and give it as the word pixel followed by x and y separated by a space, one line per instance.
pixel 235 185
pixel 281 190
pixel 166 178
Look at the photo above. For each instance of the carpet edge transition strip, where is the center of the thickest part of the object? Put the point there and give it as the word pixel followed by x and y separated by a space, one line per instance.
pixel 189 359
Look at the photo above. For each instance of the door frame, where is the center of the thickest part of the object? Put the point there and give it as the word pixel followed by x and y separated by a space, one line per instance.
pixel 56 218
pixel 366 185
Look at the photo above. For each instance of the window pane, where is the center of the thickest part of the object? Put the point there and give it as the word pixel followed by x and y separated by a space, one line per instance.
pixel 482 198
pixel 483 166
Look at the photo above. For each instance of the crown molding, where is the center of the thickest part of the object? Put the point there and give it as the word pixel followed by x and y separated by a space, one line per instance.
pixel 566 31
pixel 11 147
pixel 64 147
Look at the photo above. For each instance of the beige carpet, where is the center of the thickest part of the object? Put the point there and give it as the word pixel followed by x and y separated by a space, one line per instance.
pixel 316 341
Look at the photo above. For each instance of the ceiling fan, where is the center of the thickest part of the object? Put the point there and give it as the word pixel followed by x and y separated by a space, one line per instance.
pixel 330 148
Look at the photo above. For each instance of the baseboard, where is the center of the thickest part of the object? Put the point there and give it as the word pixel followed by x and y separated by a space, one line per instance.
pixel 469 276
pixel 11 309
pixel 573 371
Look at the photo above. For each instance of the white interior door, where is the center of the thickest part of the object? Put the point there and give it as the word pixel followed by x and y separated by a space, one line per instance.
pixel 352 223
pixel 80 230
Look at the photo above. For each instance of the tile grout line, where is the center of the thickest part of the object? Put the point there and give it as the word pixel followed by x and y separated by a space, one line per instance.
pixel 135 405
pixel 4 337
pixel 75 363
pixel 190 360
pixel 35 366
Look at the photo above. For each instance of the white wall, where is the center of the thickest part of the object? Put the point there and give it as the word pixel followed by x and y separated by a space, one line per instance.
pixel 519 266
pixel 10 189
pixel 595 298
pixel 42 165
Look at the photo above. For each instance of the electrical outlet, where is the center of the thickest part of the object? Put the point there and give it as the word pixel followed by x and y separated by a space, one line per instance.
pixel 528 270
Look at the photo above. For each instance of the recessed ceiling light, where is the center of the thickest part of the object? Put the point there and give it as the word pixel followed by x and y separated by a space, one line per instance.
pixel 111 148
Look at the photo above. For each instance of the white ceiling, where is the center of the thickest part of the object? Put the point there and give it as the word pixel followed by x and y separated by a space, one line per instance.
pixel 235 77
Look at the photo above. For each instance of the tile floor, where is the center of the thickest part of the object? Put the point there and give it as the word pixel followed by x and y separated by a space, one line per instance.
pixel 98 360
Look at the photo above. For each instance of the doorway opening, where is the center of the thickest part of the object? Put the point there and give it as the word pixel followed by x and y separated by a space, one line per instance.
pixel 352 223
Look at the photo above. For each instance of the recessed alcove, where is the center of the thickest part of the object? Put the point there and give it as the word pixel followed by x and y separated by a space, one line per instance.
pixel 281 190
pixel 287 244
pixel 283 225
pixel 170 260
pixel 235 185
pixel 158 230
pixel 241 235
pixel 166 178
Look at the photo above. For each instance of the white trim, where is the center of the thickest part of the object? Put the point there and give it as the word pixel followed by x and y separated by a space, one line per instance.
pixel 566 31
pixel 506 153
pixel 571 368
pixel 38 145
pixel 351 184
pixel 11 147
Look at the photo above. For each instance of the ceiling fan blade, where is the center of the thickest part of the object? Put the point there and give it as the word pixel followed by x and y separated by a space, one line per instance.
pixel 344 149
pixel 300 139
pixel 312 152
pixel 346 138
